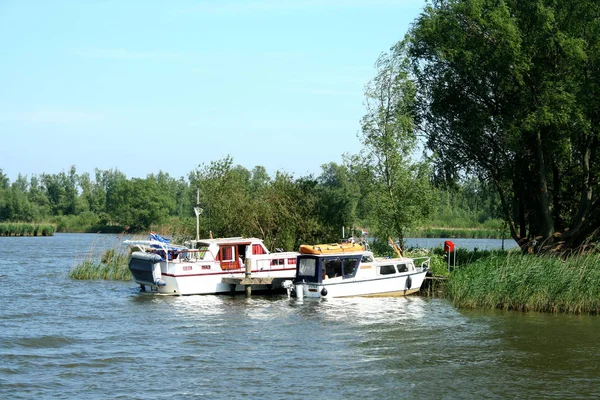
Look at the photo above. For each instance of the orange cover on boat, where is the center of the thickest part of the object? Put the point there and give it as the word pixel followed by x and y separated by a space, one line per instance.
pixel 330 248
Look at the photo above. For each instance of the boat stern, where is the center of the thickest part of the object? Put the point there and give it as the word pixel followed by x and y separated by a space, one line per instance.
pixel 145 268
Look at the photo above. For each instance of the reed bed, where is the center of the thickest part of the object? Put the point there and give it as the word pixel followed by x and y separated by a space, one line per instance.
pixel 26 229
pixel 112 266
pixel 515 281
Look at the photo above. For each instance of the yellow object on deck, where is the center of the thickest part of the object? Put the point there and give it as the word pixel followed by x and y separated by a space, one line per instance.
pixel 330 248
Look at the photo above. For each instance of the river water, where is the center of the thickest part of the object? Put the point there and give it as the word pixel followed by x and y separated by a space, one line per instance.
pixel 68 339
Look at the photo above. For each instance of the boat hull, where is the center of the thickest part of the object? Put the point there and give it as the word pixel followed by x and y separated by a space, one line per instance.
pixel 155 275
pixel 394 286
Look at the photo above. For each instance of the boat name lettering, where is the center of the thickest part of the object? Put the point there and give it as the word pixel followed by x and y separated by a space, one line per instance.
pixel 365 266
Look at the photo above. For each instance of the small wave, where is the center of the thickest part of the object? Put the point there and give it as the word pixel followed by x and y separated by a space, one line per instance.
pixel 44 342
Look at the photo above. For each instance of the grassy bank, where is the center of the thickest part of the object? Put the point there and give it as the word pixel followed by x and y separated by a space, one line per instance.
pixel 26 229
pixel 112 266
pixel 513 281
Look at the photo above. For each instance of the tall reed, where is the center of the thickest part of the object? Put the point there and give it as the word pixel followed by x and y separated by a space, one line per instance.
pixel 26 229
pixel 516 281
pixel 112 266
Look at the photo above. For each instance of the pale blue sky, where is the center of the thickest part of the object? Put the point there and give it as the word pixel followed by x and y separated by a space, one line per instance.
pixel 144 86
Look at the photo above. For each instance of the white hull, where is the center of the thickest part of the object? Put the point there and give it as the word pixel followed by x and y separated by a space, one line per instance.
pixel 212 283
pixel 355 274
pixel 383 286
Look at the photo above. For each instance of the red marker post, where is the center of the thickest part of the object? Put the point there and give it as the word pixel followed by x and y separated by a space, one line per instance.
pixel 449 248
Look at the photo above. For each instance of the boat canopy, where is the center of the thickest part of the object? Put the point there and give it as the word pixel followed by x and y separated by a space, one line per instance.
pixel 312 268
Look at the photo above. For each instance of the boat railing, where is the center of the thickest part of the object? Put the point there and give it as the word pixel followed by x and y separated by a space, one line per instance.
pixel 425 265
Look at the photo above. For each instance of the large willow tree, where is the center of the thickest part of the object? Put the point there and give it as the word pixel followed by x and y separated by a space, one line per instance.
pixel 510 90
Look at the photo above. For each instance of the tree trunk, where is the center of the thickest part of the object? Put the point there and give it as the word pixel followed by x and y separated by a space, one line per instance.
pixel 545 227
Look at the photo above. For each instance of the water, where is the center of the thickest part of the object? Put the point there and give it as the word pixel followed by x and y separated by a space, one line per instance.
pixel 95 340
pixel 460 243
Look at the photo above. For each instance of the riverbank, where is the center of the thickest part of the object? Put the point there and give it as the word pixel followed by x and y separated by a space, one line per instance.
pixel 523 282
pixel 26 229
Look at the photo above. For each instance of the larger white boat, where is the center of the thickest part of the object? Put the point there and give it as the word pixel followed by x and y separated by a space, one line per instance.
pixel 200 266
pixel 326 271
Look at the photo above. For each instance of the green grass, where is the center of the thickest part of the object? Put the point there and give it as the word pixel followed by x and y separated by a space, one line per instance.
pixel 26 229
pixel 112 266
pixel 514 281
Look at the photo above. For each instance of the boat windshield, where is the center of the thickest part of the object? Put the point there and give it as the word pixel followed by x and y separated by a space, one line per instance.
pixel 306 270
pixel 202 249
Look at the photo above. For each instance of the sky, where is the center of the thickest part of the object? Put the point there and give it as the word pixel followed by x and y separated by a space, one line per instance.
pixel 149 86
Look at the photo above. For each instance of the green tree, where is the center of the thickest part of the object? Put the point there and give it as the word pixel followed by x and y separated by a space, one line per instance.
pixel 61 191
pixel 144 204
pixel 400 193
pixel 224 197
pixel 509 92
pixel 338 197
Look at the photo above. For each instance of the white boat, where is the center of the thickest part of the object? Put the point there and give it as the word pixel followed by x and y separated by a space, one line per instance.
pixel 200 266
pixel 357 273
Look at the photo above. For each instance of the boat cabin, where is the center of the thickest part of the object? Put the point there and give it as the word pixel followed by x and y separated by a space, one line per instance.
pixel 319 268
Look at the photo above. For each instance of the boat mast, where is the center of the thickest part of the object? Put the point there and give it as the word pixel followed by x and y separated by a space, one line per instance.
pixel 197 211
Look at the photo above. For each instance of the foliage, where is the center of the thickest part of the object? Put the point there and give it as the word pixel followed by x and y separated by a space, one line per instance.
pixel 513 281
pixel 399 192
pixel 508 91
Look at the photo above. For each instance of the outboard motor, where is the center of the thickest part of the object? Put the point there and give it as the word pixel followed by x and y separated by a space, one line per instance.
pixel 145 268
pixel 300 291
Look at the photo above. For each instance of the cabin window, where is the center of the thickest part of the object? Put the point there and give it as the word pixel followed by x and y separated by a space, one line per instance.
pixel 367 258
pixel 227 253
pixel 202 252
pixel 258 249
pixel 350 266
pixel 279 261
pixel 402 268
pixel 292 261
pixel 307 267
pixel 333 267
pixel 387 270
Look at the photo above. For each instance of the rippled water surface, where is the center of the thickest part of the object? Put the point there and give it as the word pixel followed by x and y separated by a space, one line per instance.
pixel 94 339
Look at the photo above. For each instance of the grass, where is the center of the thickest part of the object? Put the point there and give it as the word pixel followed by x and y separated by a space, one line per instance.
pixel 26 229
pixel 112 266
pixel 514 281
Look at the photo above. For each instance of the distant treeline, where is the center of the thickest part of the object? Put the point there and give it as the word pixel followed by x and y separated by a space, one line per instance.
pixel 234 201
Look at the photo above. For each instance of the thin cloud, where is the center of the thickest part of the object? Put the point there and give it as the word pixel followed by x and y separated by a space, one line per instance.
pixel 278 6
pixel 127 54
pixel 322 92
pixel 59 117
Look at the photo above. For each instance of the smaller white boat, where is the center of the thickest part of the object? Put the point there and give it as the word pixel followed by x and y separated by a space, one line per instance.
pixel 207 266
pixel 355 273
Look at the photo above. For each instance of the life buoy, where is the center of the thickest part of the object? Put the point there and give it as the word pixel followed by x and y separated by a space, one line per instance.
pixel 408 282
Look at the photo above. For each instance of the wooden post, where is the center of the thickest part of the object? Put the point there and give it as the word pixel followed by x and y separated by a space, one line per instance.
pixel 248 273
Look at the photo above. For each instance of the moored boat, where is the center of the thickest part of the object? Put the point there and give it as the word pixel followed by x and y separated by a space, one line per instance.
pixel 355 273
pixel 200 266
